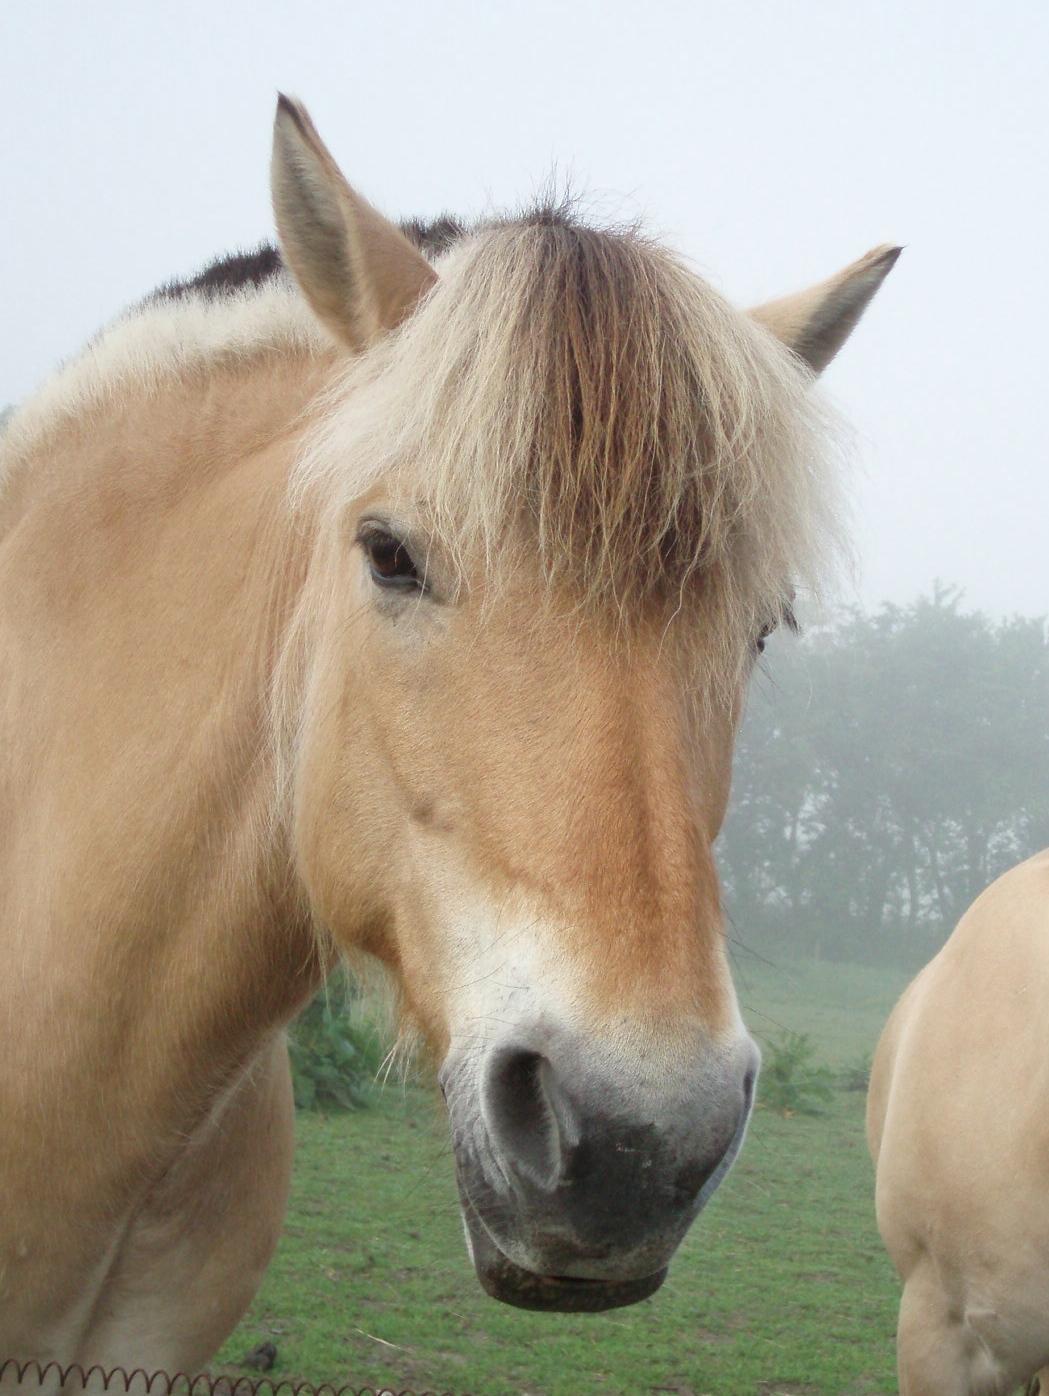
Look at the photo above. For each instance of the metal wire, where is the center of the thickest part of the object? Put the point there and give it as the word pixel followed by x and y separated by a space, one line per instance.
pixel 138 1382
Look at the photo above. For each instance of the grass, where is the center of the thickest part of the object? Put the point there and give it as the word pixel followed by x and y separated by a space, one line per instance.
pixel 843 1008
pixel 781 1287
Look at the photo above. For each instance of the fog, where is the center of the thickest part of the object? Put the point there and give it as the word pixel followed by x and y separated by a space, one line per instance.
pixel 769 143
pixel 892 759
pixel 889 767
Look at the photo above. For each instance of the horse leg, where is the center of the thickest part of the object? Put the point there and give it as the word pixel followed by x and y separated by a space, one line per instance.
pixel 938 1352
pixel 197 1250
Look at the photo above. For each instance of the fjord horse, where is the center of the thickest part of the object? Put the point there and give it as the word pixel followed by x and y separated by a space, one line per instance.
pixel 391 595
pixel 958 1123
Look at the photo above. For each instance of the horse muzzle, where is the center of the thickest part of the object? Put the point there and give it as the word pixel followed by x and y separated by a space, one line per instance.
pixel 576 1188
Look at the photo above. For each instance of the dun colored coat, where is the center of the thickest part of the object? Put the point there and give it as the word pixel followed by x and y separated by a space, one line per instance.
pixel 394 596
pixel 958 1122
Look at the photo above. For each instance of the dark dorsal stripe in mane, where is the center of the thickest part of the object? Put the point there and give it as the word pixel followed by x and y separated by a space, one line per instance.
pixel 237 271
pixel 436 236
pixel 233 272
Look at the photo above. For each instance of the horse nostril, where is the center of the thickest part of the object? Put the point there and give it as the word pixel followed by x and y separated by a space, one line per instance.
pixel 522 1110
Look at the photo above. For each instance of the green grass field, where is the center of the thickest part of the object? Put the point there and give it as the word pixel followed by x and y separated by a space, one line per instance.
pixel 781 1287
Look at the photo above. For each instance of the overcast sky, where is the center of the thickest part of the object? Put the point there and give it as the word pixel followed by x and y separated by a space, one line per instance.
pixel 770 142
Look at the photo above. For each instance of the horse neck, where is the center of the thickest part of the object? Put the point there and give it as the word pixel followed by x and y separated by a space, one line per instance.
pixel 150 879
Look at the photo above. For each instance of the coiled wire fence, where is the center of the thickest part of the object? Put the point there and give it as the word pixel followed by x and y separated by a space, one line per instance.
pixel 34 1378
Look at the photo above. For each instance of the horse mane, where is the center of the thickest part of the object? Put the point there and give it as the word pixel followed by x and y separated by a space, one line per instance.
pixel 574 387
pixel 233 272
pixel 580 388
pixel 241 304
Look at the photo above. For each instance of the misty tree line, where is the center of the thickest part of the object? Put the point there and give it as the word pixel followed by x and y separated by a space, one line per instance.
pixel 889 766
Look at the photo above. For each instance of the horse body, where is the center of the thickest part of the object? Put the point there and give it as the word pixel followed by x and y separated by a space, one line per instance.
pixel 959 1130
pixel 155 946
pixel 403 610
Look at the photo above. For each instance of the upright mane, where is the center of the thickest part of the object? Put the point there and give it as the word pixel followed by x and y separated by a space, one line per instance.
pixel 575 385
pixel 238 305
pixel 580 384
pixel 233 272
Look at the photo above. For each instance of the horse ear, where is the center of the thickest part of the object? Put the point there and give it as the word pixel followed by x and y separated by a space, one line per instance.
pixel 817 322
pixel 358 271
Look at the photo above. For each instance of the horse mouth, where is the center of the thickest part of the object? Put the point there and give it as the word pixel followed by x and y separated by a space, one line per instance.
pixel 502 1279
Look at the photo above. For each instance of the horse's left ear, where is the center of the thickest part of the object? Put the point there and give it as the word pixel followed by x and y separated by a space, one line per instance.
pixel 817 322
pixel 357 270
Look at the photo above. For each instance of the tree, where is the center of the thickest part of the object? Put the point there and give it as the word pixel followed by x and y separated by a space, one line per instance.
pixel 890 765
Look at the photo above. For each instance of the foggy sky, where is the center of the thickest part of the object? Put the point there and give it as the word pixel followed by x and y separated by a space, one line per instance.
pixel 769 142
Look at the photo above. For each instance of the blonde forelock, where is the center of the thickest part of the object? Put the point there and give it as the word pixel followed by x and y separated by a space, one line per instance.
pixel 580 392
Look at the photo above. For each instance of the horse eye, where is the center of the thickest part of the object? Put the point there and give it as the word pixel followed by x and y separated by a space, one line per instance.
pixel 389 561
pixel 786 618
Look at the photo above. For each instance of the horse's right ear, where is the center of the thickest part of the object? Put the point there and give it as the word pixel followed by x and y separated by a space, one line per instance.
pixel 358 271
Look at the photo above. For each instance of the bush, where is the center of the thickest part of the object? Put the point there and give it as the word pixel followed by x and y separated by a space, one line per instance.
pixel 857 1075
pixel 789 1081
pixel 335 1050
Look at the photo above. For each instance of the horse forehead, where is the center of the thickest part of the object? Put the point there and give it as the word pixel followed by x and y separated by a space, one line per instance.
pixel 575 668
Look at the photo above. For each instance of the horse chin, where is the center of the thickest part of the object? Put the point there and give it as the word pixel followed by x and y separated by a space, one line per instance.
pixel 510 1283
